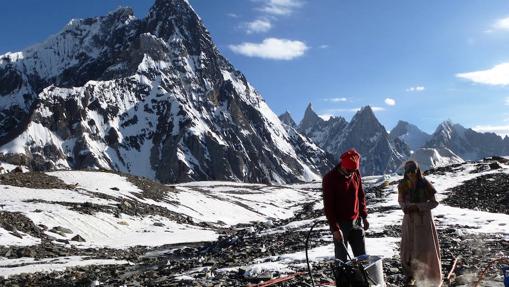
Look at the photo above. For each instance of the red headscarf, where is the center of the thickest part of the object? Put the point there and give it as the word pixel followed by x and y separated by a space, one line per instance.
pixel 350 160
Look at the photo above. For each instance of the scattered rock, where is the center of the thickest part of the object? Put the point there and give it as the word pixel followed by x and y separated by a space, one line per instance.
pixel 150 188
pixel 78 238
pixel 487 193
pixel 495 165
pixel 61 230
pixel 16 221
pixel 16 233
pixel 17 169
pixel 38 180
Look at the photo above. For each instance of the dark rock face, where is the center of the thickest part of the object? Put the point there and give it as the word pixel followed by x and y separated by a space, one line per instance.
pixel 287 119
pixel 310 120
pixel 150 97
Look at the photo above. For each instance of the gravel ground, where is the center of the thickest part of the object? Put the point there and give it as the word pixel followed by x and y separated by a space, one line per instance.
pixel 241 244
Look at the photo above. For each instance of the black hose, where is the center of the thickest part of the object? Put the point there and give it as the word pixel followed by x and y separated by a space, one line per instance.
pixel 307 257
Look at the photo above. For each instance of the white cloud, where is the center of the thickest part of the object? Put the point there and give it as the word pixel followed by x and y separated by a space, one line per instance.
pixel 258 26
pixel 501 24
pixel 507 101
pixel 233 15
pixel 336 100
pixel 324 46
pixel 415 89
pixel 496 76
pixel 500 130
pixel 280 7
pixel 390 102
pixel 272 48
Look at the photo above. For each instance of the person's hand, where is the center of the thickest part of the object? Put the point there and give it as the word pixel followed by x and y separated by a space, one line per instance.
pixel 365 223
pixel 337 235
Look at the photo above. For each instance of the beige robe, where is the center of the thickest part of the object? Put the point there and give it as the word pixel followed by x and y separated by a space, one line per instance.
pixel 419 250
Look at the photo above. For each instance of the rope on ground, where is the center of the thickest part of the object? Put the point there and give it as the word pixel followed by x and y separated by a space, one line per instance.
pixel 481 274
pixel 277 280
pixel 451 273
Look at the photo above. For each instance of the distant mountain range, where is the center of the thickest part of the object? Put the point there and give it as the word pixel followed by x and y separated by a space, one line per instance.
pixel 384 152
pixel 467 143
pixel 380 153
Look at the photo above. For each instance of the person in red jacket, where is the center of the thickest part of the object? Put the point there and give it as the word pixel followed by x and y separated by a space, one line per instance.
pixel 345 205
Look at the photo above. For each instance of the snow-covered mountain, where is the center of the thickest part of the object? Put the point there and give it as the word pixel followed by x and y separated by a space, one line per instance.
pixel 467 143
pixel 380 153
pixel 151 97
pixel 416 139
pixel 435 157
pixel 410 134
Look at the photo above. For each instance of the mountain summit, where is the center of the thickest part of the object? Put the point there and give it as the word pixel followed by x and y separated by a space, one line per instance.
pixel 410 134
pixel 150 97
pixel 310 120
pixel 287 119
pixel 380 153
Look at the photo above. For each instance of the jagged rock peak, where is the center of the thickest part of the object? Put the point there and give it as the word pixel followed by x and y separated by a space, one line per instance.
pixel 309 110
pixel 447 124
pixel 122 12
pixel 287 119
pixel 410 134
pixel 310 118
pixel 364 116
pixel 175 20
pixel 401 125
pixel 366 111
pixel 171 8
pixel 121 15
pixel 400 129
pixel 448 127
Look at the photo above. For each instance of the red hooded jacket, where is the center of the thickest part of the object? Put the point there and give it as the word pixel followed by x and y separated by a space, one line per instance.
pixel 343 197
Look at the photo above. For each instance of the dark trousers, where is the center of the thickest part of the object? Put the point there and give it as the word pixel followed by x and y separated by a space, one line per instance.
pixel 353 234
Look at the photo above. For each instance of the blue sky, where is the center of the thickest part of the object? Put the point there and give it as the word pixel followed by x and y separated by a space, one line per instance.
pixel 419 61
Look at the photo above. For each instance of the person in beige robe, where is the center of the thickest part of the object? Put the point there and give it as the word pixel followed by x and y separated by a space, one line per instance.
pixel 419 250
